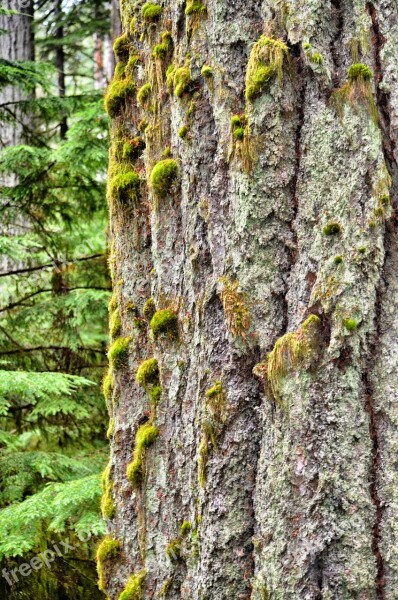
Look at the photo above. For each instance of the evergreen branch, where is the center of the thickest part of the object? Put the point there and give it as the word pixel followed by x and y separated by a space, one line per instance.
pixel 46 290
pixel 50 265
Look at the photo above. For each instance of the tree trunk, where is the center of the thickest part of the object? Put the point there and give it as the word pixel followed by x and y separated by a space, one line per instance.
pixel 16 44
pixel 277 248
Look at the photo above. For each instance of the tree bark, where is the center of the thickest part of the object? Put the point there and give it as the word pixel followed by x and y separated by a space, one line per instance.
pixel 292 216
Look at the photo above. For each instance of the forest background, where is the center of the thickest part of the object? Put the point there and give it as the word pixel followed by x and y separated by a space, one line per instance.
pixel 55 61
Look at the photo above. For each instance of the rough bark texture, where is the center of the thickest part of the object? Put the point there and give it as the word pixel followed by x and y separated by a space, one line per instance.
pixel 300 494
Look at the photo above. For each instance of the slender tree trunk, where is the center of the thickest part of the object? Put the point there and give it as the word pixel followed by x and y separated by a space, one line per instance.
pixel 60 63
pixel 277 248
pixel 15 44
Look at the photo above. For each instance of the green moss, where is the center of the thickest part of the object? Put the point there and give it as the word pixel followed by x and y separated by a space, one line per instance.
pixel 115 324
pixel 236 121
pixel 120 71
pixel 113 302
pixel 360 71
pixel 121 48
pixel 144 93
pixel 148 372
pixel 362 249
pixel 111 428
pixel 163 175
pixel 107 385
pixel 357 91
pixel 116 95
pixel 132 149
pixel 166 153
pixel 170 77
pixel 350 324
pixel 134 587
pixel 151 12
pixel 183 132
pixel 332 228
pixel 149 309
pixel 379 212
pixel 174 550
pixel 107 551
pixel 266 61
pixel 107 503
pixel 178 79
pixel 316 58
pixel 185 528
pixel 124 187
pixel 292 351
pixel 161 50
pixel 154 393
pixel 372 224
pixel 202 459
pixel 385 200
pixel 119 352
pixel 214 391
pixel 207 71
pixel 145 437
pixel 239 133
pixel 195 7
pixel 131 63
pixel 164 323
pixel 338 260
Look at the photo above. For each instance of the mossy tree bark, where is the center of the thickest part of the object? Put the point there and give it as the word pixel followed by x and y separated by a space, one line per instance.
pixel 288 477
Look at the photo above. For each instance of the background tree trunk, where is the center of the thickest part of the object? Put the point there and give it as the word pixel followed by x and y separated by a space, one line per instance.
pixel 297 497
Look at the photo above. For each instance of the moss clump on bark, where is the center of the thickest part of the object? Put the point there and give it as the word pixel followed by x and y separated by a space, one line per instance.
pixel 292 351
pixel 178 79
pixel 267 60
pixel 174 550
pixel 195 7
pixel 119 352
pixel 111 428
pixel 121 48
pixel 148 372
pixel 164 323
pixel 357 91
pixel 183 132
pixel 207 71
pixel 134 587
pixel 185 528
pixel 144 93
pixel 107 552
pixel 235 307
pixel 149 309
pixel 117 93
pixel 161 50
pixel 163 175
pixel 124 187
pixel 115 324
pixel 132 149
pixel 145 437
pixel 151 12
pixel 338 260
pixel 350 324
pixel 107 503
pixel 332 228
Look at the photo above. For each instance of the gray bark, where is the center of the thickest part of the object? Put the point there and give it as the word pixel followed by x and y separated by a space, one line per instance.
pixel 301 486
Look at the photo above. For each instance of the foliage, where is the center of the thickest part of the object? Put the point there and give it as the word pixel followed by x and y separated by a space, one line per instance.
pixel 54 289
